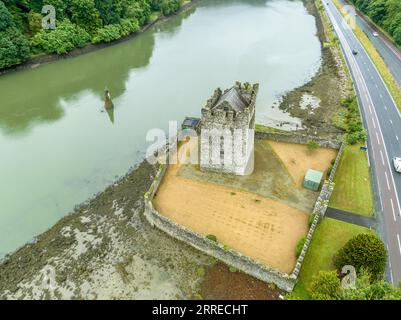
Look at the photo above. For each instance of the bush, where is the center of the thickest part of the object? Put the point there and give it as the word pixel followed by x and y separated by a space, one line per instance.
pixel 311 218
pixel 168 7
pixel 63 39
pixel 201 272
pixel 128 26
pixel 326 286
pixel 363 251
pixel 312 145
pixel 233 269
pixel 299 247
pixel 108 33
pixel 355 130
pixel 329 170
pixel 14 47
pixel 211 237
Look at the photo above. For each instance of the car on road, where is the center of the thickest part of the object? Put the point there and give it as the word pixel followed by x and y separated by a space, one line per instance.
pixel 354 52
pixel 375 34
pixel 397 164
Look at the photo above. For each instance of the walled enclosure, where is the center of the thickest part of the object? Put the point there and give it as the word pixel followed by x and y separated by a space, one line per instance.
pixel 230 257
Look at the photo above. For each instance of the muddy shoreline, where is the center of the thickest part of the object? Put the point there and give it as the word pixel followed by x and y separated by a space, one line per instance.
pixel 106 249
pixel 42 59
pixel 325 90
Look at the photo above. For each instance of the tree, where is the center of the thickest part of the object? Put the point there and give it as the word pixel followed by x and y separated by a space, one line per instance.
pixel 85 15
pixel 6 19
pixel 14 47
pixel 109 10
pixel 35 22
pixel 378 10
pixel 63 39
pixel 363 251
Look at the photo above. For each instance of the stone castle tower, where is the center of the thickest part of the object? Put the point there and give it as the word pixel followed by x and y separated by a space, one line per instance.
pixel 227 130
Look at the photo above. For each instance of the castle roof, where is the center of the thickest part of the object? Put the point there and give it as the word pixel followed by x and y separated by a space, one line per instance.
pixel 234 99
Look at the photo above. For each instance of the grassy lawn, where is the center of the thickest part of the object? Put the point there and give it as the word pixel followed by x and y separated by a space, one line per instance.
pixel 377 60
pixel 353 190
pixel 329 237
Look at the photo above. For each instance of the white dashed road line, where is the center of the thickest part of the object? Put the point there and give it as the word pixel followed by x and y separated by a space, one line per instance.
pixel 388 183
pixel 392 207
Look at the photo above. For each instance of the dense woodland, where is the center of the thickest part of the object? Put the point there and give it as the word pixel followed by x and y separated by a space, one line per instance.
pixel 385 13
pixel 79 22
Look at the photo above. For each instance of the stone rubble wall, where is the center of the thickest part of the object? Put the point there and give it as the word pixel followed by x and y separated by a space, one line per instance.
pixel 319 210
pixel 297 138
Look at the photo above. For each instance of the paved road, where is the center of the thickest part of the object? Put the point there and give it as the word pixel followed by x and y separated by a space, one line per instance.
pixel 350 217
pixel 383 122
pixel 390 53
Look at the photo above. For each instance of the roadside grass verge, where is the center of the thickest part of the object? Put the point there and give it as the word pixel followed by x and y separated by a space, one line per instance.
pixel 353 188
pixel 377 60
pixel 329 237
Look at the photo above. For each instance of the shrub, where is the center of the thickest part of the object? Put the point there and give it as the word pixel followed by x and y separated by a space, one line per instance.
pixel 326 286
pixel 128 26
pixel 233 269
pixel 299 247
pixel 363 251
pixel 201 272
pixel 312 145
pixel 168 7
pixel 329 170
pixel 211 237
pixel 63 39
pixel 311 218
pixel 14 47
pixel 108 33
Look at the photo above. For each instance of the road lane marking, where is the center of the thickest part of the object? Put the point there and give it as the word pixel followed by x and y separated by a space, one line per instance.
pixel 392 207
pixel 381 154
pixel 396 137
pixel 388 184
pixel 391 121
pixel 399 243
pixel 390 268
pixel 377 137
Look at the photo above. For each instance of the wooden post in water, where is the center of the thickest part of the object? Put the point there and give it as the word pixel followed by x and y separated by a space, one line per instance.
pixel 108 103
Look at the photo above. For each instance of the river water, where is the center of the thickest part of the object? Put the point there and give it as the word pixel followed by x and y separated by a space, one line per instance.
pixel 59 147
